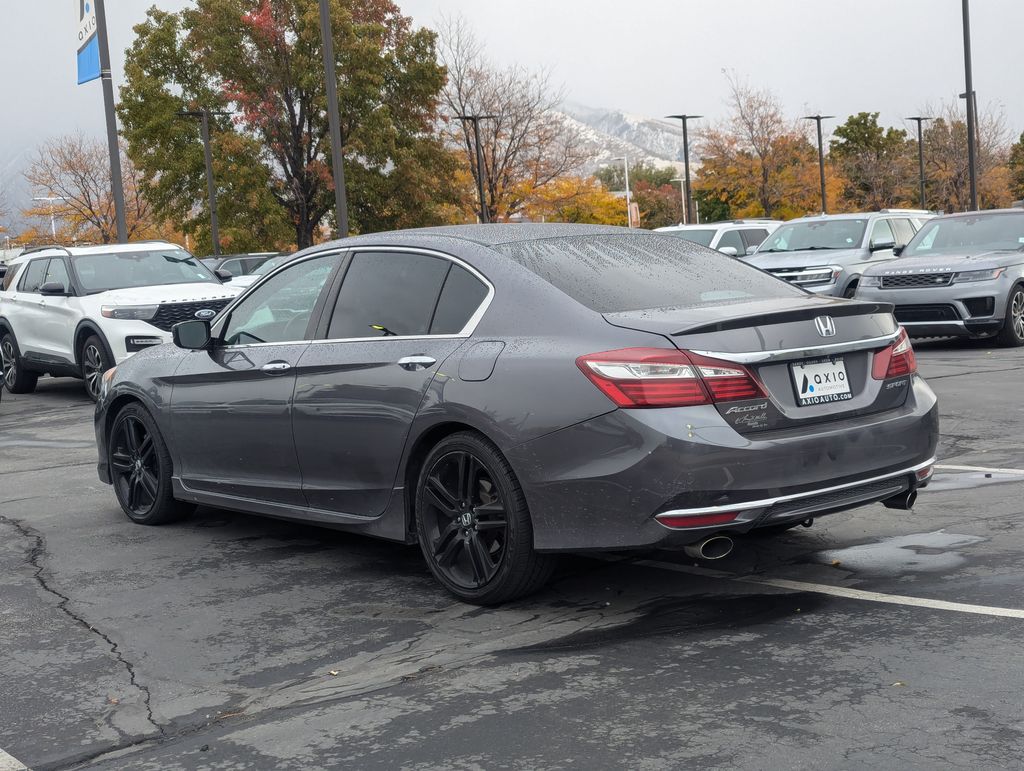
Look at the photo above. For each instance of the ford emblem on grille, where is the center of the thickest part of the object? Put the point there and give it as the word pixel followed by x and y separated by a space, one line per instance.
pixel 206 313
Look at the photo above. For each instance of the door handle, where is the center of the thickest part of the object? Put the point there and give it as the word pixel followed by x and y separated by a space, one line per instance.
pixel 276 367
pixel 414 363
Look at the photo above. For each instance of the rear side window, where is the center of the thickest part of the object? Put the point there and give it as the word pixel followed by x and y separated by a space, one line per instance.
pixel 611 273
pixel 388 294
pixel 35 273
pixel 12 274
pixel 461 296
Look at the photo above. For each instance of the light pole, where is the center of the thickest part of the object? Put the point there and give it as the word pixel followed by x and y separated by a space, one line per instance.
pixel 686 164
pixel 629 208
pixel 682 195
pixel 821 158
pixel 972 117
pixel 211 187
pixel 53 222
pixel 481 169
pixel 113 147
pixel 334 120
pixel 919 119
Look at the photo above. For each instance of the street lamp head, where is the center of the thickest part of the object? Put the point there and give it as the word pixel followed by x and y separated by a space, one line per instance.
pixel 818 117
pixel 684 117
pixel 918 118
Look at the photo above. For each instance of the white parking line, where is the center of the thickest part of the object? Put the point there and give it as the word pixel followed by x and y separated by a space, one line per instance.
pixel 839 591
pixel 8 763
pixel 1015 471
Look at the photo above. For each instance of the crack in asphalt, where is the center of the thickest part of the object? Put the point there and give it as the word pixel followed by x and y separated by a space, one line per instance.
pixel 35 556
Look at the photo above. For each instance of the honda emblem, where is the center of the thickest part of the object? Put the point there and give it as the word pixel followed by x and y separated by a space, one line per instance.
pixel 826 326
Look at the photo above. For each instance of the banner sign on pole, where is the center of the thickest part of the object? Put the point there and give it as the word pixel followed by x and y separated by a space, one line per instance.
pixel 88 43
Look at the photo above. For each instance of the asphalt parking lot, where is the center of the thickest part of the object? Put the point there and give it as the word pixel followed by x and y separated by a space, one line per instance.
pixel 875 639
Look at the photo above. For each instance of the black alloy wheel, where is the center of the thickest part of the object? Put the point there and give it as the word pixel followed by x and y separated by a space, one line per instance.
pixel 16 379
pixel 95 361
pixel 1012 333
pixel 473 524
pixel 140 469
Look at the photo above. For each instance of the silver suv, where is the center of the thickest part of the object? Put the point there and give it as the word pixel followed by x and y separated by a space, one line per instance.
pixel 828 254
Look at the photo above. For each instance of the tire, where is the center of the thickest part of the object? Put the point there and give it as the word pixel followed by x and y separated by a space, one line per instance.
pixel 1012 333
pixel 140 469
pixel 851 291
pixel 15 378
pixel 95 361
pixel 473 523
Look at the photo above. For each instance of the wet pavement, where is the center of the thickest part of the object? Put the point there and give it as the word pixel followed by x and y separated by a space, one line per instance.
pixel 231 642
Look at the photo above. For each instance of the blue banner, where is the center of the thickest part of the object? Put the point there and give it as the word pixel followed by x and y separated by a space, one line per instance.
pixel 88 43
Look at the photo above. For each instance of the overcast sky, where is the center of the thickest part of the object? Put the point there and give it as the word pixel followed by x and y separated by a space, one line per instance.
pixel 651 57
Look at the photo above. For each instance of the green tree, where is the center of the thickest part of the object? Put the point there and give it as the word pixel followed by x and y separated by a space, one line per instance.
pixel 876 163
pixel 613 176
pixel 261 61
pixel 1016 166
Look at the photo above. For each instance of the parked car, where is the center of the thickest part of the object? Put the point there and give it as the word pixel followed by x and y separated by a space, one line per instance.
pixel 77 312
pixel 828 253
pixel 261 270
pixel 238 264
pixel 735 237
pixel 504 393
pixel 962 274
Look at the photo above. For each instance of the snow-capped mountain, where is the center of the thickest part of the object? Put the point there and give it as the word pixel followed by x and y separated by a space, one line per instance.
pixel 613 133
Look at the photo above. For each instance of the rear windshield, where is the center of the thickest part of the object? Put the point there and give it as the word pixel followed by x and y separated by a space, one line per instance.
pixel 612 273
pixel 702 237
pixel 972 234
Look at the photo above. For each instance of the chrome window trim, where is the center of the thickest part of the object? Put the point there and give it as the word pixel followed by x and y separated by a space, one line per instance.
pixel 767 502
pixel 465 332
pixel 758 357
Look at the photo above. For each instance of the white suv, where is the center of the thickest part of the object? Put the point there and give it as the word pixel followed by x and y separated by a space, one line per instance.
pixel 77 312
pixel 735 237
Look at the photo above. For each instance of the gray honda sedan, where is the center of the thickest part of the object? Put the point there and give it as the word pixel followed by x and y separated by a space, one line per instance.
pixel 962 274
pixel 502 393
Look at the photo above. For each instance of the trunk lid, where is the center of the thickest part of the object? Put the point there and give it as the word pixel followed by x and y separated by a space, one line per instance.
pixel 779 341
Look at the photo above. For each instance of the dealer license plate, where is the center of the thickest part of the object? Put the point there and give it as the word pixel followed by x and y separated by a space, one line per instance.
pixel 820 381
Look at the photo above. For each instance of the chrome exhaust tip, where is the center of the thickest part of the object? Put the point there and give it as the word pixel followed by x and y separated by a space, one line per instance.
pixel 712 548
pixel 904 501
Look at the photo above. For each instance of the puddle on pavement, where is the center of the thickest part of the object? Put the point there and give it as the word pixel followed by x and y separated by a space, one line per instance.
pixel 917 553
pixel 679 616
pixel 968 481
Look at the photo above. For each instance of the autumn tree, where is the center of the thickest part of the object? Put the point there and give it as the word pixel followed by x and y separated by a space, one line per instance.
pixel 877 164
pixel 261 61
pixel 1015 167
pixel 576 199
pixel 76 170
pixel 946 162
pixel 758 163
pixel 525 143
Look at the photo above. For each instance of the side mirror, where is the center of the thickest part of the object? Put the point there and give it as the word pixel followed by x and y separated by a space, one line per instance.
pixel 223 275
pixel 898 249
pixel 880 246
pixel 192 335
pixel 53 289
pixel 751 250
pixel 729 250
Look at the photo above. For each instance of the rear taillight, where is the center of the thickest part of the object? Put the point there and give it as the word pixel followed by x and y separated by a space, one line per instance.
pixel 659 377
pixel 896 360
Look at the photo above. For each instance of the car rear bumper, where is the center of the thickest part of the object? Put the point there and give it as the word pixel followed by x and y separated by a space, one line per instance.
pixel 608 483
